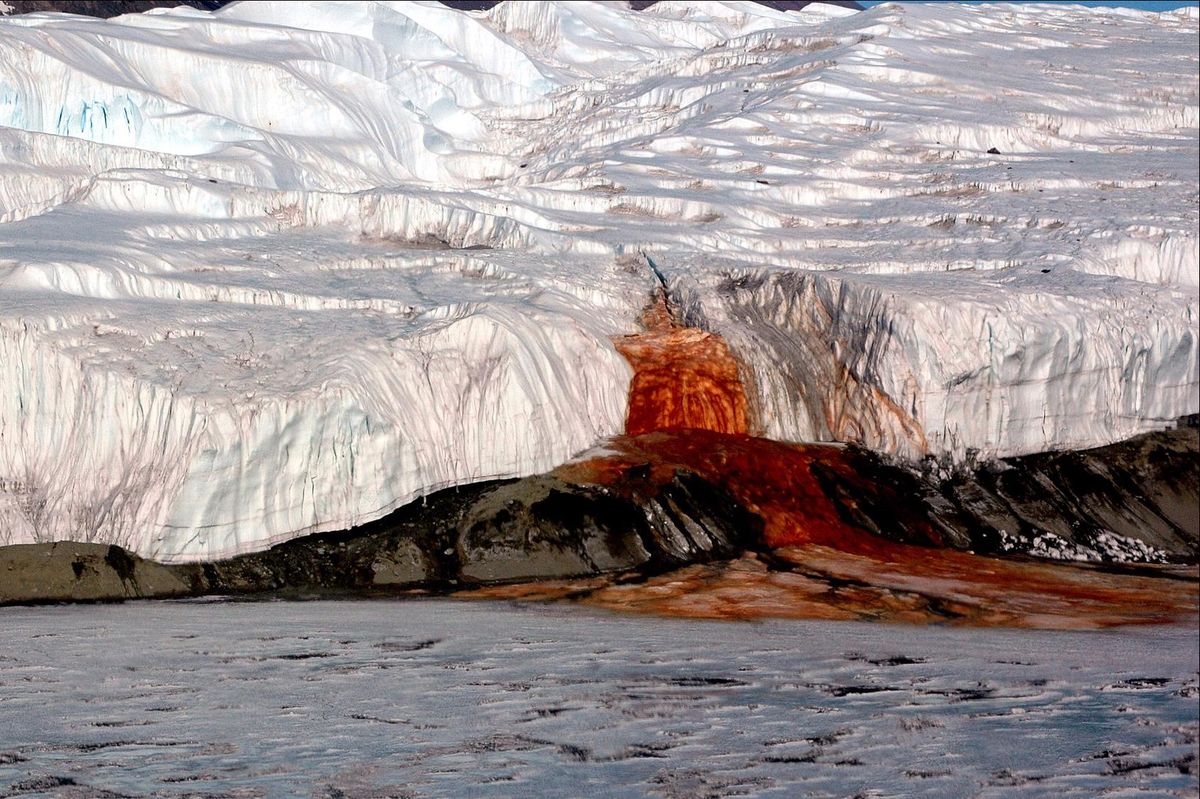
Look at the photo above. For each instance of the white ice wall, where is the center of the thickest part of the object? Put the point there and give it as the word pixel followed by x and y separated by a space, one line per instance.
pixel 181 464
pixel 237 302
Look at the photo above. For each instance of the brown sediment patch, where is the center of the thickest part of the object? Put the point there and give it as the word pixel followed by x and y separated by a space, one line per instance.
pixel 973 589
pixel 683 378
pixel 824 584
pixel 944 587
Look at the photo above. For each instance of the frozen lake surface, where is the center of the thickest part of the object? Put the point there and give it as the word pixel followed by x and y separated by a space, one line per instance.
pixel 364 700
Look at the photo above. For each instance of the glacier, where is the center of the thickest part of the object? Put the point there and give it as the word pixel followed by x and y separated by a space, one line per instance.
pixel 285 267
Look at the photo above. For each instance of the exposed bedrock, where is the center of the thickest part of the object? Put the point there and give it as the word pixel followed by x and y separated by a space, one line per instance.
pixel 651 504
pixel 535 528
pixel 1088 504
pixel 70 571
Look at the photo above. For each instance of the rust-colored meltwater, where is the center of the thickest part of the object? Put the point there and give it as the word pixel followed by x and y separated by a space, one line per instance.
pixel 683 378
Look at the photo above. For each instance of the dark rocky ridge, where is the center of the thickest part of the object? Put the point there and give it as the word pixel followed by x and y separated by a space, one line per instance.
pixel 637 524
pixel 1146 488
pixel 504 531
pixel 106 8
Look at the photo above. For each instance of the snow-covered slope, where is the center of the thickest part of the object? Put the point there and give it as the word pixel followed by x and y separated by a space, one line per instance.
pixel 284 267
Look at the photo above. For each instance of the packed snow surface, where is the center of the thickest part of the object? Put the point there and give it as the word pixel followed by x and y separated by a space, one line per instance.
pixel 370 700
pixel 284 267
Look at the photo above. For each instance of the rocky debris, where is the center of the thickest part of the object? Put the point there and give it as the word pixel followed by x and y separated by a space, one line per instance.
pixel 1135 500
pixel 106 8
pixel 1101 547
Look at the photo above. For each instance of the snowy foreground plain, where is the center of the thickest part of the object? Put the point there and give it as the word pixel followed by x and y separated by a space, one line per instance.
pixel 285 267
pixel 367 700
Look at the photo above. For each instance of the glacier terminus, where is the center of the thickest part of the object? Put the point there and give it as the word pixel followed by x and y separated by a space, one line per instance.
pixel 284 267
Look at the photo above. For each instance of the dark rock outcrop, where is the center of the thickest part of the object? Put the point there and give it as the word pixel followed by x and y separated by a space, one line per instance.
pixel 1137 500
pixel 107 8
pixel 536 528
pixel 1145 489
pixel 502 531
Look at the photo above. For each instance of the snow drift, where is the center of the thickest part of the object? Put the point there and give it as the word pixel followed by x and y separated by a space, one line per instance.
pixel 284 267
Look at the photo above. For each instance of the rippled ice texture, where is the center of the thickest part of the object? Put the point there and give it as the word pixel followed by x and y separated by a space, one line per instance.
pixel 437 698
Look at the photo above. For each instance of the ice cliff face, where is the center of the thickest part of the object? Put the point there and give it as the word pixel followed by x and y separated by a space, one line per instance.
pixel 286 266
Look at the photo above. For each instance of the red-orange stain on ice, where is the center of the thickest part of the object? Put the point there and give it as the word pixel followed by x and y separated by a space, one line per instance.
pixel 683 379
